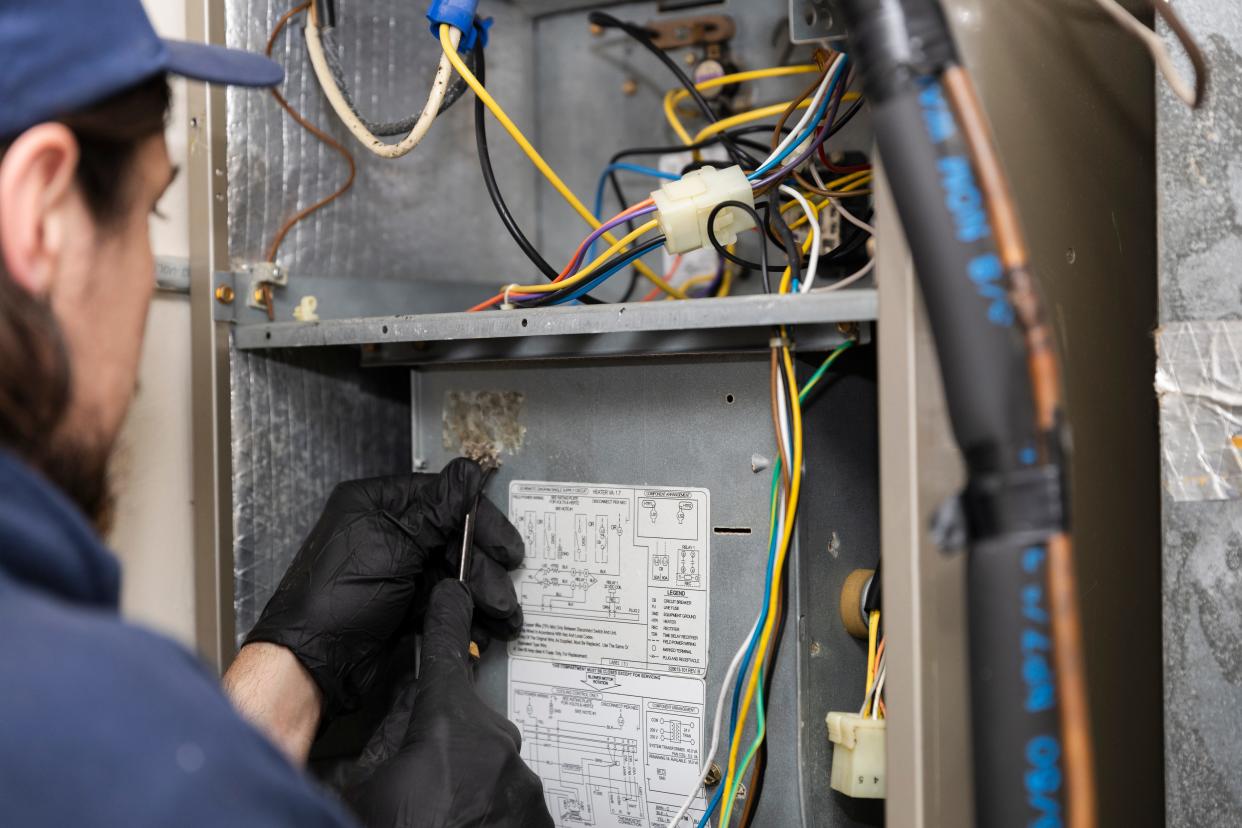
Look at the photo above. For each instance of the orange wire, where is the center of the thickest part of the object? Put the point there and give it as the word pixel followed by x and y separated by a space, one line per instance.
pixel 313 130
pixel 564 273
pixel 668 277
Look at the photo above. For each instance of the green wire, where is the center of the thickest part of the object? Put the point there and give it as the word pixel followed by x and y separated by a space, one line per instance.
pixel 761 732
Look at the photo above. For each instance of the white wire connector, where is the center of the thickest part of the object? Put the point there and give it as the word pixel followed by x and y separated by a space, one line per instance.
pixel 682 208
pixel 858 762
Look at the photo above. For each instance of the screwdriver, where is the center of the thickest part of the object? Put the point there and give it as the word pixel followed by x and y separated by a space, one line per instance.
pixel 467 544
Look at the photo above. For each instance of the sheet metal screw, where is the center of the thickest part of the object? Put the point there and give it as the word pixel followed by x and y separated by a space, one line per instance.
pixel 629 86
pixel 596 30
pixel 224 295
pixel 258 294
pixel 848 329
pixel 713 775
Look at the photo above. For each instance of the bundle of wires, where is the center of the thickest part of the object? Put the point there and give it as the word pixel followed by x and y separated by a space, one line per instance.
pixel 791 149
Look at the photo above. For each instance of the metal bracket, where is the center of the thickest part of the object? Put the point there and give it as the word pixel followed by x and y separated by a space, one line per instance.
pixel 814 20
pixel 700 30
pixel 262 274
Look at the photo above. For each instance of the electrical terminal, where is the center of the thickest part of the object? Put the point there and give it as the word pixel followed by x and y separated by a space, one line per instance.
pixel 858 763
pixel 683 207
pixel 461 15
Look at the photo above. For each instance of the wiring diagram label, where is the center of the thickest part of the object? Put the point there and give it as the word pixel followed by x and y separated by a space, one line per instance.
pixel 615 748
pixel 614 575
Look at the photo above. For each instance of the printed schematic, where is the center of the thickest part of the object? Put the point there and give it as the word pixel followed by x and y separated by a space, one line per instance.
pixel 613 747
pixel 614 575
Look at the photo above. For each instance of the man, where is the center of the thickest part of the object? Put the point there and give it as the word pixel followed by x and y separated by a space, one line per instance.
pixel 103 723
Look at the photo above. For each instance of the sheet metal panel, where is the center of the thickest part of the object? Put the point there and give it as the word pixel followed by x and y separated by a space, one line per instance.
pixel 670 423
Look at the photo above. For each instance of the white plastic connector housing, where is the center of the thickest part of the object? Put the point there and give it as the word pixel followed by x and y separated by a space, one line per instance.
pixel 857 755
pixel 682 207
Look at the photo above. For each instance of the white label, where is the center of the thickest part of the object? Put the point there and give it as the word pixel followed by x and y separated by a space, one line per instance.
pixel 614 575
pixel 614 748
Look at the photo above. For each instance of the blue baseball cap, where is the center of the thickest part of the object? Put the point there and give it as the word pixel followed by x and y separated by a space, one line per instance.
pixel 57 56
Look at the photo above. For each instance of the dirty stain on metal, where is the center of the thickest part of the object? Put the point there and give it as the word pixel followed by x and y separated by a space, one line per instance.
pixel 484 424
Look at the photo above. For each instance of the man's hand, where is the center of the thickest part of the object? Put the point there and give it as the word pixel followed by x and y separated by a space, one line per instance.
pixel 362 577
pixel 443 757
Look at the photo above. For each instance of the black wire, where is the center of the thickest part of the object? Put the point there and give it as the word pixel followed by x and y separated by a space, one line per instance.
pixel 493 188
pixel 331 52
pixel 615 181
pixel 763 249
pixel 793 256
pixel 642 249
pixel 834 256
pixel 643 36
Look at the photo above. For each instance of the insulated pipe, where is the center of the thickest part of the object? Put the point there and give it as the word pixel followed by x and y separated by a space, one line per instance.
pixel 1001 387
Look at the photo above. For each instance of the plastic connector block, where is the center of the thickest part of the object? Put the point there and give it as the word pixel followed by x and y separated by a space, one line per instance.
pixel 683 207
pixel 857 755
pixel 460 14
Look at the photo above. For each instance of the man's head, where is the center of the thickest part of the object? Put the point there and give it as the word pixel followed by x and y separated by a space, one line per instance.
pixel 82 165
pixel 76 276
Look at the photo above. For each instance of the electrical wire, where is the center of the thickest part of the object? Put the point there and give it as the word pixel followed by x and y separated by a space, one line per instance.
pixel 675 96
pixel 812 216
pixel 764 267
pixel 1190 95
pixel 385 129
pixel 644 38
pixel 324 137
pixel 439 88
pixel 446 43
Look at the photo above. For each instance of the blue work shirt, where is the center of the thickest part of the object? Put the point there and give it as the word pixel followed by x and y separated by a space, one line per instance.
pixel 103 723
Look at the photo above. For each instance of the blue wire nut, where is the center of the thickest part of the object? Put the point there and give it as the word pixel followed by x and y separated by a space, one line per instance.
pixel 460 14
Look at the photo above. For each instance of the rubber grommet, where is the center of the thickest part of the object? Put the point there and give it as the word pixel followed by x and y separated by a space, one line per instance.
pixel 851 602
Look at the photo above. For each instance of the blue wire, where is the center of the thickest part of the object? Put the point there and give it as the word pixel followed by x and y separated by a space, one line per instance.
pixel 743 669
pixel 820 112
pixel 597 280
pixel 622 166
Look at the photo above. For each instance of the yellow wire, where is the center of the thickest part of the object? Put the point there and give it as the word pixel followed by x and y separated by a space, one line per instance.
pixel 752 115
pixel 742 118
pixel 791 509
pixel 873 632
pixel 674 96
pixel 537 159
pixel 586 272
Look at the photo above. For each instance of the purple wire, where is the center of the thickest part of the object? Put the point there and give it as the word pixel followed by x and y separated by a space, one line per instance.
pixel 601 230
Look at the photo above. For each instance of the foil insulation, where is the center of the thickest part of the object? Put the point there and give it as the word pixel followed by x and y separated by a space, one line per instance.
pixel 422 217
pixel 302 422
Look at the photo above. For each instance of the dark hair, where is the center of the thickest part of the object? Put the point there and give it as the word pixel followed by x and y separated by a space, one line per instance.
pixel 35 384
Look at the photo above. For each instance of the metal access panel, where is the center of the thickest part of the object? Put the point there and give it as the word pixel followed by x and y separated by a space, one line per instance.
pixel 686 423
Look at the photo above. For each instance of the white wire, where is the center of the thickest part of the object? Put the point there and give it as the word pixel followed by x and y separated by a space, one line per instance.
pixel 716 727
pixel 813 263
pixel 439 88
pixel 880 666
pixel 810 111
pixel 879 690
pixel 851 279
pixel 850 217
pixel 1155 45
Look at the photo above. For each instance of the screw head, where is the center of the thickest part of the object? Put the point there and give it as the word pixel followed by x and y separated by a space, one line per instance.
pixel 224 294
pixel 713 775
pixel 596 30
pixel 258 294
pixel 629 86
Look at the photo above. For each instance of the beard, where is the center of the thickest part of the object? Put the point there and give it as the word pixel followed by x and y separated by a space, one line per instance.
pixel 35 397
pixel 80 469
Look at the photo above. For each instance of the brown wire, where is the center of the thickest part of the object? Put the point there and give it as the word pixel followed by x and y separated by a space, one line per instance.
pixel 1044 371
pixel 313 130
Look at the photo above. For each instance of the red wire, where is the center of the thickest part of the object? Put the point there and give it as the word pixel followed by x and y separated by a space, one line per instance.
pixel 499 297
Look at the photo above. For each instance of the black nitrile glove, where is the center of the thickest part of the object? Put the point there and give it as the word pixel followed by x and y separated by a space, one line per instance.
pixel 363 575
pixel 444 758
